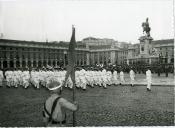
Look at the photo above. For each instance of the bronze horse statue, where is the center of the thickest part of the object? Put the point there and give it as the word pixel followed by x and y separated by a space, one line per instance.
pixel 146 27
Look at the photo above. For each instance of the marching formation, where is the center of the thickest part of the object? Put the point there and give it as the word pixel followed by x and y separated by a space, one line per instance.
pixel 83 78
pixel 17 78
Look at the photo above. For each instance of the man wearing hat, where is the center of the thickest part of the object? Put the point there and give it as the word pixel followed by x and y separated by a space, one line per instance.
pixel 55 106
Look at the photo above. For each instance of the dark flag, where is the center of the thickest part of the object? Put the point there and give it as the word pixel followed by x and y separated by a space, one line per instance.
pixel 71 65
pixel 71 58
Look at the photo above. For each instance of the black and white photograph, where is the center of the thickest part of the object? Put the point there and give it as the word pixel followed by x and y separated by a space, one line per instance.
pixel 87 63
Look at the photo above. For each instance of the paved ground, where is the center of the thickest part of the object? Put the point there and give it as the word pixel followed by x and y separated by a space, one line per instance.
pixel 162 80
pixel 114 106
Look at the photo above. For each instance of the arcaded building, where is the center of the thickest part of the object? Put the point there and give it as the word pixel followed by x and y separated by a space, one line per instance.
pixel 89 51
pixel 23 54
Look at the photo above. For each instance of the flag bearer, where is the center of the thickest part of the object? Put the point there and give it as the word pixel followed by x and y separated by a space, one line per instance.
pixel 55 106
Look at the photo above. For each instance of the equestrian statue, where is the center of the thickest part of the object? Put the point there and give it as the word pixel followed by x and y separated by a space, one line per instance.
pixel 146 27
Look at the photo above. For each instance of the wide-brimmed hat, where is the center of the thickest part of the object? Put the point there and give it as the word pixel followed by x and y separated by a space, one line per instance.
pixel 54 85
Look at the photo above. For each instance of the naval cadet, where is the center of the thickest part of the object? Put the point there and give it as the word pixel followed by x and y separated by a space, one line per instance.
pixel 132 77
pixel 149 79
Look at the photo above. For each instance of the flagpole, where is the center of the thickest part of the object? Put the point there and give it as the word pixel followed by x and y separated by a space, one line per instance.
pixel 74 117
pixel 73 75
pixel 71 67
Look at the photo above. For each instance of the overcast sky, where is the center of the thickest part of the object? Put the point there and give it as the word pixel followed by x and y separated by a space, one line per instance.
pixel 119 20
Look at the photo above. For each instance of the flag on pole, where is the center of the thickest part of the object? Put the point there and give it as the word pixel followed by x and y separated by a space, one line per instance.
pixel 71 58
pixel 71 66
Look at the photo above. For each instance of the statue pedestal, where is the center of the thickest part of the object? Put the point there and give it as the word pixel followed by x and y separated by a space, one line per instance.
pixel 145 46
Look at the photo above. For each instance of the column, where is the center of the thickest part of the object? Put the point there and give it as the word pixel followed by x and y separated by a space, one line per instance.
pixel 150 60
pixel 51 63
pixel 14 61
pixel 103 58
pixel 32 63
pixel 64 61
pixel 112 57
pixel 127 61
pixel 36 63
pixel 64 58
pixel 56 63
pixel 92 58
pixel 20 62
pixel 169 59
pixel 79 60
pixel 82 58
pixel 87 58
pixel 42 63
pixel 1 64
pixel 106 58
pixel 26 63
pixel 46 62
pixel 98 57
pixel 8 63
pixel 20 58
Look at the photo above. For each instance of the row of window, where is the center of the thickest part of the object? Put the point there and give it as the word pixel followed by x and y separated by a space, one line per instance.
pixel 17 55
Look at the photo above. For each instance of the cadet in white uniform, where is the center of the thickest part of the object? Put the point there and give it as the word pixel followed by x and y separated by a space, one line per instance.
pixel 54 111
pixel 97 75
pixel 103 78
pixel 35 78
pixel 149 79
pixel 115 78
pixel 16 79
pixel 109 77
pixel 69 82
pixel 9 76
pixel 43 78
pixel 83 79
pixel 122 77
pixel 91 79
pixel 132 77
pixel 77 79
pixel 87 77
pixel 25 79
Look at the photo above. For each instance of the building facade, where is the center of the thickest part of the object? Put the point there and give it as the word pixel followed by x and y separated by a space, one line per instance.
pixel 23 54
pixel 156 52
pixel 89 51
